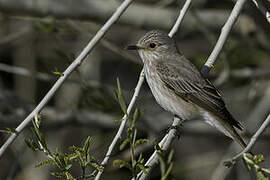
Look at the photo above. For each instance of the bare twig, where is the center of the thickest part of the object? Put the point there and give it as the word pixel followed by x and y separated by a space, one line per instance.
pixel 263 10
pixel 253 139
pixel 180 18
pixel 164 145
pixel 67 72
pixel 122 125
pixel 226 29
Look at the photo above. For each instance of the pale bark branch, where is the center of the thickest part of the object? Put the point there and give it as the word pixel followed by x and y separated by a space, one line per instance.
pixel 116 15
pixel 180 18
pixel 253 139
pixel 263 10
pixel 226 29
pixel 164 144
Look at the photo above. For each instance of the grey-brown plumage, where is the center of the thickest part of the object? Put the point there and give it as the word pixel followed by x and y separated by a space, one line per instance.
pixel 179 87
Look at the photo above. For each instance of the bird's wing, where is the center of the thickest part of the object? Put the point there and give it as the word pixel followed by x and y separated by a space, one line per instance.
pixel 186 81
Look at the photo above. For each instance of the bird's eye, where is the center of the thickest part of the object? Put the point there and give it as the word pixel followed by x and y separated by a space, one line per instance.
pixel 152 45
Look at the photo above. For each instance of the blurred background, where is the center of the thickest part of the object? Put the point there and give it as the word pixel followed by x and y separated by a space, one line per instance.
pixel 38 38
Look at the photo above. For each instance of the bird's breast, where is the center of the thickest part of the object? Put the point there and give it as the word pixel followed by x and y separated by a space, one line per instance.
pixel 167 98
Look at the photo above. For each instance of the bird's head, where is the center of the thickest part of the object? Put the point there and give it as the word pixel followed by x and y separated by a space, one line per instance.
pixel 153 45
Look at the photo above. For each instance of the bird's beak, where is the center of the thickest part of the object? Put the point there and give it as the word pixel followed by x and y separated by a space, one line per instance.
pixel 134 47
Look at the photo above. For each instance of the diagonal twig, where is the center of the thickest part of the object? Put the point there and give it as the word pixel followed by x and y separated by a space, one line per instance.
pixel 253 139
pixel 226 29
pixel 263 10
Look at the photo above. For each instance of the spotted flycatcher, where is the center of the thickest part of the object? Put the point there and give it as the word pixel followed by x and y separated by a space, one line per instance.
pixel 179 87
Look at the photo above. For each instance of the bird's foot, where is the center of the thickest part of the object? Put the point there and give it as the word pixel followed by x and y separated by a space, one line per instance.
pixel 177 130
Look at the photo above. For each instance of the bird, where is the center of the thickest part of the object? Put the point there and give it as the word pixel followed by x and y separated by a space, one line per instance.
pixel 180 88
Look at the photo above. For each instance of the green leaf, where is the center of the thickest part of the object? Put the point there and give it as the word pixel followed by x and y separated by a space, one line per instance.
pixel 136 115
pixel 261 176
pixel 68 167
pixel 258 158
pixel 10 130
pixel 124 143
pixel 250 156
pixel 58 174
pixel 32 145
pixel 167 172
pixel 120 98
pixel 140 159
pixel 87 144
pixel 96 166
pixel 69 176
pixel 72 156
pixel 157 147
pixel 169 160
pixel 60 159
pixel 39 117
pixel 162 163
pixel 80 157
pixel 122 163
pixel 75 148
pixel 45 162
pixel 141 141
pixel 142 167
pixel 56 72
pixel 118 120
pixel 134 138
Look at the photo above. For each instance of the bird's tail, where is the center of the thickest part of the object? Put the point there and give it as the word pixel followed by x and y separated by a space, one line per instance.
pixel 227 129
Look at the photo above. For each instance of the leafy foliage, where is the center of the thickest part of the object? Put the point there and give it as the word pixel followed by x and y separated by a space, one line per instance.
pixel 253 161
pixel 63 161
pixel 8 130
pixel 119 97
pixel 57 72
pixel 166 165
pixel 137 164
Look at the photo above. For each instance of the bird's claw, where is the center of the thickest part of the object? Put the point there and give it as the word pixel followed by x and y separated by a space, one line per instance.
pixel 177 130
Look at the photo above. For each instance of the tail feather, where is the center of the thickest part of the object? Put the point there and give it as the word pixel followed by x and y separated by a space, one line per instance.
pixel 225 127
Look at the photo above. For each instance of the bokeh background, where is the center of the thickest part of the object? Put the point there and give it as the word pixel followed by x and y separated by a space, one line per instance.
pixel 40 37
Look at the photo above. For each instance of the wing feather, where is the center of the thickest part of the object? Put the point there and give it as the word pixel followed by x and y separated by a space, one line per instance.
pixel 186 81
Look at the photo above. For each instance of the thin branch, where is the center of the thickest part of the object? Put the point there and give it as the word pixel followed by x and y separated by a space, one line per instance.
pixel 180 18
pixel 164 145
pixel 263 10
pixel 226 29
pixel 253 139
pixel 122 125
pixel 67 72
